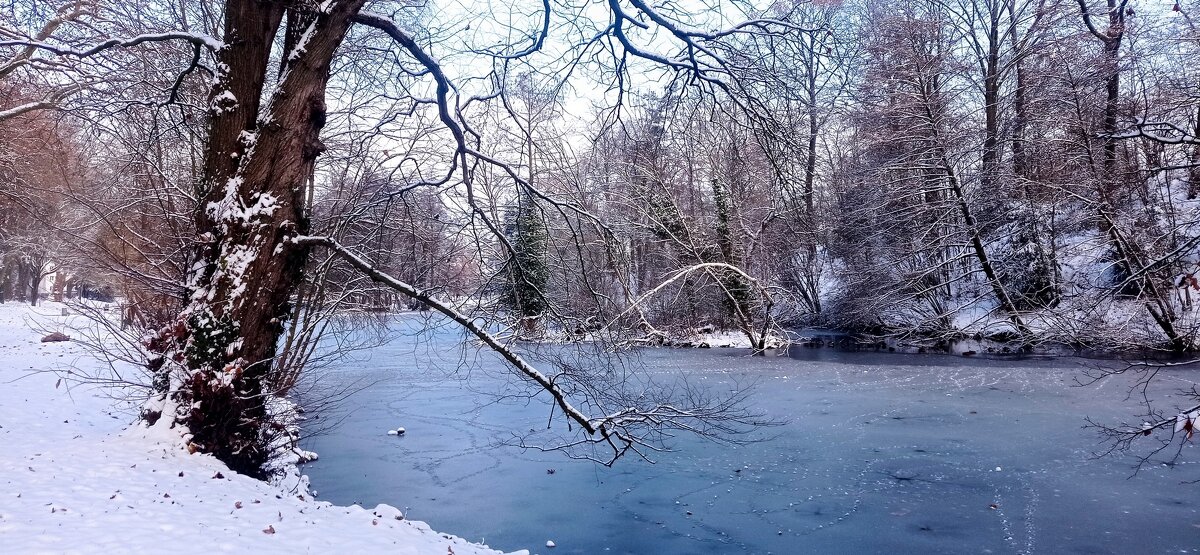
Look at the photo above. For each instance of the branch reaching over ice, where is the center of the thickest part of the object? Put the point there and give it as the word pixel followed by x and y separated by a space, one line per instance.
pixel 757 337
pixel 467 322
pixel 1121 438
pixel 628 429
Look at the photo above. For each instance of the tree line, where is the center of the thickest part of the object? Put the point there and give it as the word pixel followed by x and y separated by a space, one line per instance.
pixel 243 175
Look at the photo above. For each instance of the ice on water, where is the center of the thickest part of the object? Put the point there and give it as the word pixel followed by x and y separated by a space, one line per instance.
pixel 881 453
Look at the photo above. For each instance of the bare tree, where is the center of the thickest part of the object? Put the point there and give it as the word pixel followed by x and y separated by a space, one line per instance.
pixel 260 175
pixel 267 108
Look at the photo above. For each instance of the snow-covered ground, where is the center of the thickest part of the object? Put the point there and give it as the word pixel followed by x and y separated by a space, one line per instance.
pixel 78 476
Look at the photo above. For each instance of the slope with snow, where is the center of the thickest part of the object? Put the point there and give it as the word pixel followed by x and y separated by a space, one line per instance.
pixel 77 476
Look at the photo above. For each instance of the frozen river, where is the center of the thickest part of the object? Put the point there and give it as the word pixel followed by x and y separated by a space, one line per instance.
pixel 882 453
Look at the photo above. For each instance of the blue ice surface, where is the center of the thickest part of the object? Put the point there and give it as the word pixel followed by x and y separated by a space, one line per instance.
pixel 880 453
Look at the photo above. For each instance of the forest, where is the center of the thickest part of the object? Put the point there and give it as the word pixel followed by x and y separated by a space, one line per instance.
pixel 254 179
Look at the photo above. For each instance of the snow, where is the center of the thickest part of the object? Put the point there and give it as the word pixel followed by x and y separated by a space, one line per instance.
pixel 77 475
pixel 225 101
pixel 231 209
pixel 703 337
pixel 248 138
pixel 302 43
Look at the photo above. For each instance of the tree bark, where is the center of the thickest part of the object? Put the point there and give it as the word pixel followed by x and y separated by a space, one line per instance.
pixel 1111 39
pixel 256 168
pixel 35 280
pixel 1020 165
pixel 60 285
pixel 991 106
pixel 1194 171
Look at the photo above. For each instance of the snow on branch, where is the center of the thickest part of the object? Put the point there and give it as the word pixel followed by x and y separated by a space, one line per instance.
pixel 25 108
pixel 462 319
pixel 200 39
pixel 538 38
pixel 707 267
pixel 628 429
pixel 1159 132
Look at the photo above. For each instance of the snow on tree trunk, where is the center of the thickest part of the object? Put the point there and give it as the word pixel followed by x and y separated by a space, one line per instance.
pixel 258 161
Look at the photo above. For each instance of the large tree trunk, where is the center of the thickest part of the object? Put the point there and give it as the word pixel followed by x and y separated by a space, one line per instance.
pixel 256 168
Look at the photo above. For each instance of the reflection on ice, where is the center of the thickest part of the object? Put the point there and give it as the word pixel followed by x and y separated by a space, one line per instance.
pixel 880 454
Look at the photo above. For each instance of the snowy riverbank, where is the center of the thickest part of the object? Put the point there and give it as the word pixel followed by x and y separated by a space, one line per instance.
pixel 77 476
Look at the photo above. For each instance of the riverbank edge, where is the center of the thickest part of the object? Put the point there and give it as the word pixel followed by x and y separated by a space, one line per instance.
pixel 81 474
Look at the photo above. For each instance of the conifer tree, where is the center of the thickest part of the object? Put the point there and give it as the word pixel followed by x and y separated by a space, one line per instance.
pixel 527 271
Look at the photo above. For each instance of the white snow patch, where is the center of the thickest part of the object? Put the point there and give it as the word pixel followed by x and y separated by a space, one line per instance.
pixel 225 101
pixel 302 43
pixel 231 208
pixel 77 476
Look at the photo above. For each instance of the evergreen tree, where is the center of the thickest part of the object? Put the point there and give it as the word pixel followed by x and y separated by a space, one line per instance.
pixel 526 268
pixel 737 297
